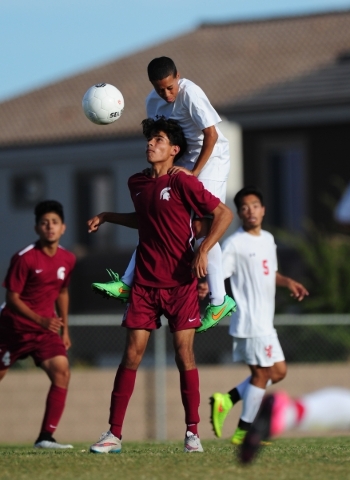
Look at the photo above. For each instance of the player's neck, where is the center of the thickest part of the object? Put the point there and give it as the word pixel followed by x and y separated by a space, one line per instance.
pixel 49 249
pixel 161 168
pixel 256 231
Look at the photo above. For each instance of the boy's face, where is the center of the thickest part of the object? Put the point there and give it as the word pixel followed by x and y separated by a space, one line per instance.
pixel 167 88
pixel 251 212
pixel 50 228
pixel 159 148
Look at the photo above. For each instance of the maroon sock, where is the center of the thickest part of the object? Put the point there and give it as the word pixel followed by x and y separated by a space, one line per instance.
pixel 123 387
pixel 189 385
pixel 55 401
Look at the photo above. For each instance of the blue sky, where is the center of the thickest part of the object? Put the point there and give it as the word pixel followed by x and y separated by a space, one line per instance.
pixel 43 41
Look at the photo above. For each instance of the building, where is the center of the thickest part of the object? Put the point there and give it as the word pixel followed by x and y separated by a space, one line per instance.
pixel 281 85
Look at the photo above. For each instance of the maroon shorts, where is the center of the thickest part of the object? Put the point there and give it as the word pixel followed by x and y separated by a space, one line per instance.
pixel 16 345
pixel 178 304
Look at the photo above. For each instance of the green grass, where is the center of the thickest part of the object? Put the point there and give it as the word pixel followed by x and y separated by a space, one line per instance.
pixel 301 458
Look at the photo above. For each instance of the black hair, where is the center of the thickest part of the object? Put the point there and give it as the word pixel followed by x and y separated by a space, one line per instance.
pixel 48 206
pixel 172 130
pixel 160 68
pixel 249 190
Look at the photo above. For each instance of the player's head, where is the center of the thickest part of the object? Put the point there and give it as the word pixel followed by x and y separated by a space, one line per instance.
pixel 49 221
pixel 163 75
pixel 170 130
pixel 250 206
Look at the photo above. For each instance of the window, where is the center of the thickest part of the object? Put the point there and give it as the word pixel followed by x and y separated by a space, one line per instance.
pixel 283 173
pixel 27 190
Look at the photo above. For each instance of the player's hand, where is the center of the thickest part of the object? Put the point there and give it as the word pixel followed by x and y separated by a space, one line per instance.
pixel 203 290
pixel 66 339
pixel 53 324
pixel 298 290
pixel 95 223
pixel 199 264
pixel 173 170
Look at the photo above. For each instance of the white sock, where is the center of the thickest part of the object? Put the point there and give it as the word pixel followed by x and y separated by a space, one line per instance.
pixel 128 276
pixel 251 402
pixel 328 408
pixel 242 386
pixel 215 275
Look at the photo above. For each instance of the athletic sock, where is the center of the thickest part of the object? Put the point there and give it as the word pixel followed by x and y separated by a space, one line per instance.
pixel 215 275
pixel 237 393
pixel 122 390
pixel 189 386
pixel 252 399
pixel 128 276
pixel 55 402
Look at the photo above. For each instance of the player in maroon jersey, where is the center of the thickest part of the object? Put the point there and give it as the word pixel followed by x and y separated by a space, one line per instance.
pixel 37 287
pixel 167 269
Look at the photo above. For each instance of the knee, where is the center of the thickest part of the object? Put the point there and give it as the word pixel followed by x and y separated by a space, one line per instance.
pixel 185 359
pixel 61 377
pixel 279 375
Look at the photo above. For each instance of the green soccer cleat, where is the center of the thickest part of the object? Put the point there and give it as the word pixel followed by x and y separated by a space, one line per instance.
pixel 220 405
pixel 115 288
pixel 239 436
pixel 215 313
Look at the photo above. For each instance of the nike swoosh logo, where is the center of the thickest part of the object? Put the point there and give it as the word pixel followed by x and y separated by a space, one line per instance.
pixel 215 316
pixel 121 290
pixel 192 319
pixel 220 408
pixel 38 271
pixel 138 193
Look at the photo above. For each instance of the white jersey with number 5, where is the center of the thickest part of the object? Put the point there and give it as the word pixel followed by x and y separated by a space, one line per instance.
pixel 251 263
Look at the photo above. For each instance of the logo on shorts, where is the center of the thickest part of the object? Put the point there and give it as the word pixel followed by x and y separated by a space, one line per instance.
pixel 192 319
pixel 164 194
pixel 268 351
pixel 61 273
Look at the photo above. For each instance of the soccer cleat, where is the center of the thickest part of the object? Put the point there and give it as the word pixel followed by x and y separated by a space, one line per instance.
pixel 192 443
pixel 115 288
pixel 214 313
pixel 220 405
pixel 107 443
pixel 269 421
pixel 238 436
pixel 50 444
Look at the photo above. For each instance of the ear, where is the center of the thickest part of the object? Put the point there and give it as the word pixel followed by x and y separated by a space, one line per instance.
pixel 176 150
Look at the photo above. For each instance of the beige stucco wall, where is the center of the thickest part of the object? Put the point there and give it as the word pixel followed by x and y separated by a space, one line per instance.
pixel 23 393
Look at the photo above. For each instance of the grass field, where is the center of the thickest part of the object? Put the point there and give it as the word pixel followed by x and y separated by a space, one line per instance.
pixel 297 458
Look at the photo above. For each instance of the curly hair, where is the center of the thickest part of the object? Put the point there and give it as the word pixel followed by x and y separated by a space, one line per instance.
pixel 170 127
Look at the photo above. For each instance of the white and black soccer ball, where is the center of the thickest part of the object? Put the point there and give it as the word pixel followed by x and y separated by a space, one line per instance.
pixel 103 104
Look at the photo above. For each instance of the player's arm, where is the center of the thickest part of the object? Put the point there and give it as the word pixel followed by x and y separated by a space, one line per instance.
pixel 209 141
pixel 222 217
pixel 14 301
pixel 62 305
pixel 298 291
pixel 124 219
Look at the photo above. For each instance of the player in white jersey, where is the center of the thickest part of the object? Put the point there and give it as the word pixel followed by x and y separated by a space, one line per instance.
pixel 250 261
pixel 207 157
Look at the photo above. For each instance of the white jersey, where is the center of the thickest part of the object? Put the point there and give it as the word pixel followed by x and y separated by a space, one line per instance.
pixel 194 112
pixel 251 263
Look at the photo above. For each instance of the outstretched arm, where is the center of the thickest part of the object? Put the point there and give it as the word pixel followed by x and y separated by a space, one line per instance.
pixel 222 219
pixel 125 219
pixel 209 141
pixel 298 290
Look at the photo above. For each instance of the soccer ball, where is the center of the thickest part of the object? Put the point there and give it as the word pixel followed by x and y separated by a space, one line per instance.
pixel 103 104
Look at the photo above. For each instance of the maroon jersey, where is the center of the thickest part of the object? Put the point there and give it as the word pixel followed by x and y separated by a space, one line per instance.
pixel 38 279
pixel 164 208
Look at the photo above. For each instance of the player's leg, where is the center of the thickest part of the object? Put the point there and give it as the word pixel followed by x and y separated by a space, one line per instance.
pixel 263 355
pixel 189 387
pixel 279 413
pixel 118 288
pixel 124 383
pixel 57 369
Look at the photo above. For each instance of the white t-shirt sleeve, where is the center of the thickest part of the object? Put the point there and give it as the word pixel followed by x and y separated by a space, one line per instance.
pixel 228 258
pixel 200 109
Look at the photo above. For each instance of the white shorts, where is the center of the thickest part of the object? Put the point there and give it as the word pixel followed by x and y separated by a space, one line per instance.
pixel 262 351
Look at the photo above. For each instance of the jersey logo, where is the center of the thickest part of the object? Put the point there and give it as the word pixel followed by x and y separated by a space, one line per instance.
pixel 164 194
pixel 39 270
pixel 268 351
pixel 61 273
